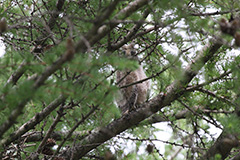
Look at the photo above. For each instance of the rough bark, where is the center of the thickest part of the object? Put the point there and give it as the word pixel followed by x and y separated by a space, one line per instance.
pixel 93 36
pixel 174 91
pixel 222 146
pixel 32 122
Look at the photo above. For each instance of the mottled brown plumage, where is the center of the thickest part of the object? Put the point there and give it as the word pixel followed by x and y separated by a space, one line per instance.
pixel 130 97
pixel 3 25
pixel 229 27
pixel 237 39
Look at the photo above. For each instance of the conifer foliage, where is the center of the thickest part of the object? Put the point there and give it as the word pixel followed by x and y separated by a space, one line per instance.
pixel 58 85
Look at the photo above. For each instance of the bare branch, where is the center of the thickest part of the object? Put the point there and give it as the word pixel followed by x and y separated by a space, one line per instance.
pixel 192 88
pixel 51 129
pixel 214 13
pixel 69 134
pixel 131 33
pixel 181 115
pixel 221 98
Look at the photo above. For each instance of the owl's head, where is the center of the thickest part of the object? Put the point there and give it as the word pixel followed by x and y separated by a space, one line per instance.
pixel 129 51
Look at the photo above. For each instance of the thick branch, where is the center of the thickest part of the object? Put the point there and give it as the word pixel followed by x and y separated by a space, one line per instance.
pixel 59 135
pixel 97 32
pixel 222 146
pixel 236 157
pixel 32 122
pixel 175 90
pixel 32 89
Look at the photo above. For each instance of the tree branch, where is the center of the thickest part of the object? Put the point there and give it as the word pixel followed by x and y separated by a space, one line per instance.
pixel 182 114
pixel 51 129
pixel 36 136
pixel 192 88
pixel 131 33
pixel 175 90
pixel 132 7
pixel 16 75
pixel 32 122
pixel 51 22
pixel 32 89
pixel 214 13
pixel 220 98
pixel 98 32
pixel 222 146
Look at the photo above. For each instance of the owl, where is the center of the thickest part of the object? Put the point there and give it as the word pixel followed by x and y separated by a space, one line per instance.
pixel 132 96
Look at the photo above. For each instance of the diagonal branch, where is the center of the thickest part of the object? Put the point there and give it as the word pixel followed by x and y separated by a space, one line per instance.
pixel 222 146
pixel 131 33
pixel 51 129
pixel 156 118
pixel 32 122
pixel 127 11
pixel 192 88
pixel 174 91
pixel 32 89
pixel 16 75
pixel 98 31
pixel 220 98
pixel 60 135
pixel 51 22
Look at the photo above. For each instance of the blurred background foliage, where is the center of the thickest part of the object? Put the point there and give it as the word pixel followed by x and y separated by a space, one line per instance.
pixel 169 38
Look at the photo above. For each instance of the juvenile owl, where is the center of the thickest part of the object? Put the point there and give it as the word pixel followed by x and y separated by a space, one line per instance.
pixel 130 97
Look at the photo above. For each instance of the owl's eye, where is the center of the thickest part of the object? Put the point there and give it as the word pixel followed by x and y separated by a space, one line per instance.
pixel 124 52
pixel 133 53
